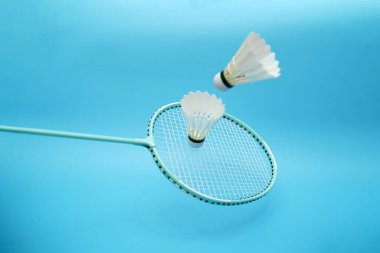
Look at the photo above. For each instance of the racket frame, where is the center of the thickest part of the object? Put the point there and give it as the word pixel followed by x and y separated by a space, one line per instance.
pixel 179 184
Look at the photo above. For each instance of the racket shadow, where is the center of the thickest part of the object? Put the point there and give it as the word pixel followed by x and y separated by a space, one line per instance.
pixel 166 212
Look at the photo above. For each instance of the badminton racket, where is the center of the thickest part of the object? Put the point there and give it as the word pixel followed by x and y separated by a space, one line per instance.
pixel 234 166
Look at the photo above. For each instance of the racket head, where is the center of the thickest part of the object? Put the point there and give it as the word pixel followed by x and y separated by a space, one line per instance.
pixel 234 166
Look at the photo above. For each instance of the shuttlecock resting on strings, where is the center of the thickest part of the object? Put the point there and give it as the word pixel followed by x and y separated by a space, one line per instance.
pixel 201 111
pixel 253 61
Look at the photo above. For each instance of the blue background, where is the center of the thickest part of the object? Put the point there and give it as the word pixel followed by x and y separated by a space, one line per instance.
pixel 104 67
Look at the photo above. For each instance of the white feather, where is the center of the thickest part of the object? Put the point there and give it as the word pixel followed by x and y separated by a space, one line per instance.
pixel 253 61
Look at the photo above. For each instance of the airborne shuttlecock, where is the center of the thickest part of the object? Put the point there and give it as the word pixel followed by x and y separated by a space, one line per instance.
pixel 201 111
pixel 253 61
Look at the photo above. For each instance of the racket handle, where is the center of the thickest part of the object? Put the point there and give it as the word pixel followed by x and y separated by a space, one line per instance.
pixel 23 130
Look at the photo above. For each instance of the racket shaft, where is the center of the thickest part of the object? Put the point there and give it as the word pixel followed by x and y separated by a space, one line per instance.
pixel 82 136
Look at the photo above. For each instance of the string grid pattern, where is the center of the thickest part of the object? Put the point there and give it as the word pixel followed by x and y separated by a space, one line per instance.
pixel 231 164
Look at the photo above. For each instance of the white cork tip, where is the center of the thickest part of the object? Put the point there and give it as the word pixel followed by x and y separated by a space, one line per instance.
pixel 195 144
pixel 219 83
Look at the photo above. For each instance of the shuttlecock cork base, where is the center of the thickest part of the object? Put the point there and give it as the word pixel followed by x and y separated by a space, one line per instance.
pixel 195 143
pixel 221 82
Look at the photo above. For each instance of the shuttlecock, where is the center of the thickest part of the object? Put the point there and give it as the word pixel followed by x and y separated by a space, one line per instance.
pixel 253 61
pixel 201 111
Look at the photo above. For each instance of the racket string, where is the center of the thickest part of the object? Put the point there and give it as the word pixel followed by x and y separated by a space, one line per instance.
pixel 230 165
